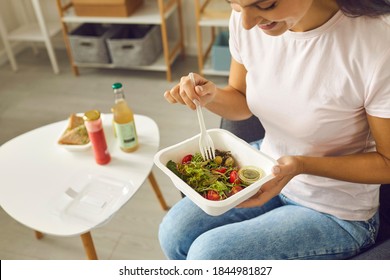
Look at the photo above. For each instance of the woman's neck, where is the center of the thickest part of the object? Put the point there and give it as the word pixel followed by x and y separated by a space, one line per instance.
pixel 318 14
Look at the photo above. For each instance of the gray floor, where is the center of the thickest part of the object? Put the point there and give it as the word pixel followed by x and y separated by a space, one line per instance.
pixel 35 96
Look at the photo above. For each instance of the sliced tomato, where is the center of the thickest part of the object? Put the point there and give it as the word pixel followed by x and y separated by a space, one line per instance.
pixel 235 189
pixel 221 170
pixel 212 195
pixel 233 178
pixel 186 159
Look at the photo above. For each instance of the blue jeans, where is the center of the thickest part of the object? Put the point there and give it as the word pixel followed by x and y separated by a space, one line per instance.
pixel 280 229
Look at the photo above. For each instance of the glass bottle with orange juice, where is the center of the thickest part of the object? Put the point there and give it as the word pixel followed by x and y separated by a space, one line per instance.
pixel 123 119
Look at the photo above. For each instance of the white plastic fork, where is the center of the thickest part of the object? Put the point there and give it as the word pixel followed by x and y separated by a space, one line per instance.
pixel 206 144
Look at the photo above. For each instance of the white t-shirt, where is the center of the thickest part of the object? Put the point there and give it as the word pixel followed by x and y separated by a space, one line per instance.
pixel 311 91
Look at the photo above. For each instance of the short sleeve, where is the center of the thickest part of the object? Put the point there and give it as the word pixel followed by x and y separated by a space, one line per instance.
pixel 234 44
pixel 377 101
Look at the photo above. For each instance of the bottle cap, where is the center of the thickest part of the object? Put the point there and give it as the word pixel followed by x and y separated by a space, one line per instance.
pixel 92 115
pixel 116 86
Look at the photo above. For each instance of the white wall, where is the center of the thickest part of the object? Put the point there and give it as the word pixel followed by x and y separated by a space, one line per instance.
pixel 13 19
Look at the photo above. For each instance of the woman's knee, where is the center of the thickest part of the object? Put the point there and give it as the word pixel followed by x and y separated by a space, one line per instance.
pixel 176 228
pixel 168 240
pixel 205 248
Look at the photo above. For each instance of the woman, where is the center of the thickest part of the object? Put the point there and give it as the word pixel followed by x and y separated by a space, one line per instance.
pixel 317 74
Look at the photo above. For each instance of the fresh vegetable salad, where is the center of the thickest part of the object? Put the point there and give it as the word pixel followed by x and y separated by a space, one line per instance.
pixel 214 179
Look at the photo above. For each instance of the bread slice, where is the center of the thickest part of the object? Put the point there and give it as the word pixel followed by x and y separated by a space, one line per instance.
pixel 76 132
pixel 75 121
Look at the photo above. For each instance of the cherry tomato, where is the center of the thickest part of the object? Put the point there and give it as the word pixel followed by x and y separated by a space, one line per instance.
pixel 186 159
pixel 233 178
pixel 212 195
pixel 236 189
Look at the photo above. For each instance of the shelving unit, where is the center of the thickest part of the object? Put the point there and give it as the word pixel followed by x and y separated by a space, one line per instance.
pixel 209 14
pixel 39 31
pixel 151 12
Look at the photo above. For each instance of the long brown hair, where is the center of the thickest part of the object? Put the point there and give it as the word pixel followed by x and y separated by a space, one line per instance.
pixel 356 8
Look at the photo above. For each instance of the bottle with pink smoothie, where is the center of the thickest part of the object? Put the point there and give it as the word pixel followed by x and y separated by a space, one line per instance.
pixel 94 126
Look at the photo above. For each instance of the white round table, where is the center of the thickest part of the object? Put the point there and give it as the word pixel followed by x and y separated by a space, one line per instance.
pixel 60 192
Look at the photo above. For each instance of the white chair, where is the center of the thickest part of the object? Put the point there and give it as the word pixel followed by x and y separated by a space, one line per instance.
pixel 39 31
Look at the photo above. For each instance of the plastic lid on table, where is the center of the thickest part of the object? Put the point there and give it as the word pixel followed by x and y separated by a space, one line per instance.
pixel 91 198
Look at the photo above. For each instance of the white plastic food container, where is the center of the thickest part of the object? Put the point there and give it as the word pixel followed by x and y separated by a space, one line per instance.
pixel 242 152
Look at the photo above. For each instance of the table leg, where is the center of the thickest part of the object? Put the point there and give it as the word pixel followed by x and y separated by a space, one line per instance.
pixel 157 190
pixel 38 235
pixel 88 245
